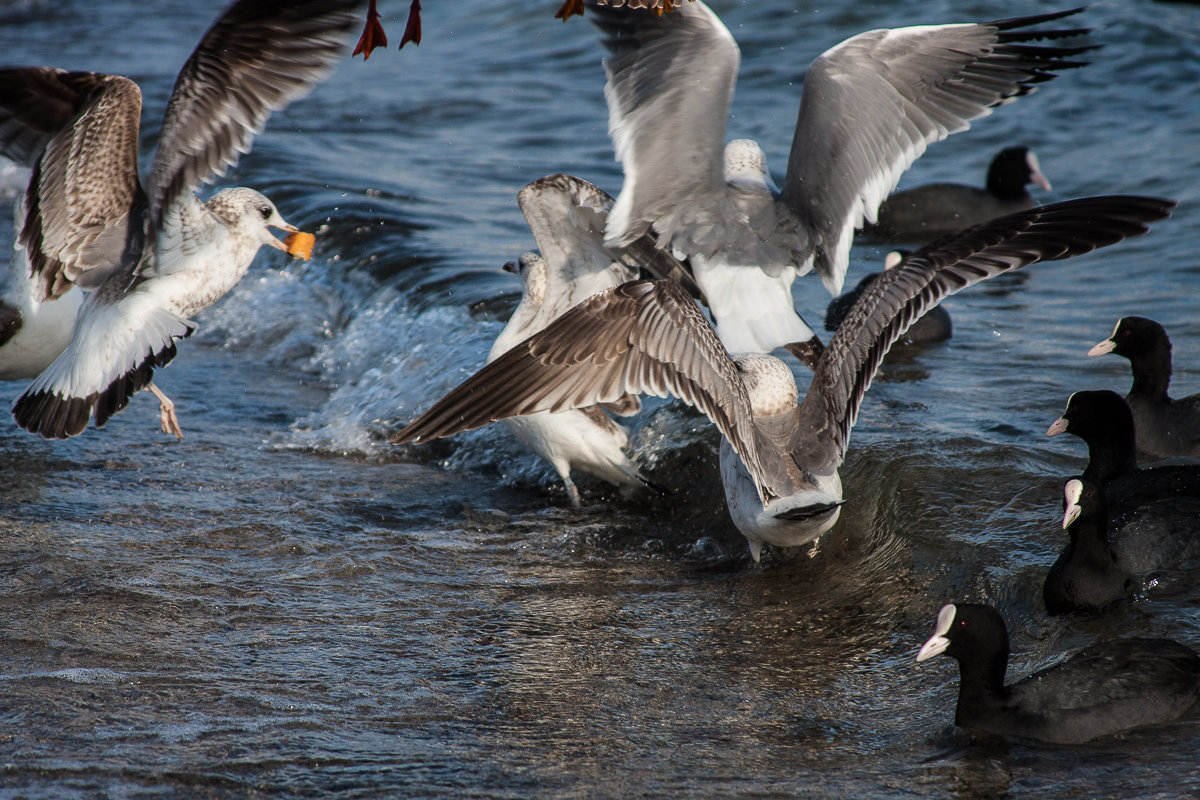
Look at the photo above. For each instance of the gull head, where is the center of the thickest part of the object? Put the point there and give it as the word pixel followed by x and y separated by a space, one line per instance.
pixel 251 214
pixel 532 269
pixel 769 382
pixel 746 166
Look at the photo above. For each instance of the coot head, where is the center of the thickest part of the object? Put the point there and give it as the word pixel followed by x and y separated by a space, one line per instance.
pixel 1086 576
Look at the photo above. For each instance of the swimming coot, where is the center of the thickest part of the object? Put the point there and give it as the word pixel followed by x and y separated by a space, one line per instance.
pixel 926 212
pixel 1104 689
pixel 1103 420
pixel 1105 555
pixel 1164 426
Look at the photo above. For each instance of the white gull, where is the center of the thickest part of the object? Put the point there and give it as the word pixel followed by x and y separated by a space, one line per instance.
pixel 869 108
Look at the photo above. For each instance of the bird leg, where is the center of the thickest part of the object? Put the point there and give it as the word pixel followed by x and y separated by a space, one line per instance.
pixel 170 423
pixel 372 35
pixel 572 491
pixel 412 28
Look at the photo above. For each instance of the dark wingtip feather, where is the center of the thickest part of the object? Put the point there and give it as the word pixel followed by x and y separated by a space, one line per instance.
pixel 809 512
pixel 56 416
pixel 658 489
pixel 1034 19
pixel 401 436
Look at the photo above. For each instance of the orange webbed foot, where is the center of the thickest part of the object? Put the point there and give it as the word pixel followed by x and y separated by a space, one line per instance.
pixel 372 35
pixel 568 9
pixel 412 30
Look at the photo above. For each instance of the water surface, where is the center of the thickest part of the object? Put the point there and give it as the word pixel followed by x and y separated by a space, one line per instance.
pixel 284 605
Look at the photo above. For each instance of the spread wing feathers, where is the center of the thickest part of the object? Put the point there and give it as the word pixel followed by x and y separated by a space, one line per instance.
pixel 258 57
pixel 872 104
pixel 669 76
pixel 79 132
pixel 567 216
pixel 903 294
pixel 112 356
pixel 642 337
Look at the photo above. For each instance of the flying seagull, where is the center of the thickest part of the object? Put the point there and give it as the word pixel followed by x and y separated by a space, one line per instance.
pixel 153 256
pixel 779 456
pixel 869 108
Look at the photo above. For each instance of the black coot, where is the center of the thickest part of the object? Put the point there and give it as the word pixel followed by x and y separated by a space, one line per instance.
pixel 1164 427
pixel 1105 688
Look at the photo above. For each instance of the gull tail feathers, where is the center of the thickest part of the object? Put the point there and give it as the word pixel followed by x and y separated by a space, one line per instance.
pixel 112 356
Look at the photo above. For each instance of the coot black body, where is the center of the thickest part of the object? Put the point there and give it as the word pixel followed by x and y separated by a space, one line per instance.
pixel 1107 561
pixel 1104 689
pixel 929 211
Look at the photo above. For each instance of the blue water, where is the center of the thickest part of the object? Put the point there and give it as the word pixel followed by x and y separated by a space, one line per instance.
pixel 283 604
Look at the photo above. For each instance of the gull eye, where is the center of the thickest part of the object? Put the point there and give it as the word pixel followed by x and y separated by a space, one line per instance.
pixel 265 211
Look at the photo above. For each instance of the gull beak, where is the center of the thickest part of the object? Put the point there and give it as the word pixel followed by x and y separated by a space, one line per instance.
pixel 1102 348
pixel 297 244
pixel 282 224
pixel 1058 426
pixel 277 221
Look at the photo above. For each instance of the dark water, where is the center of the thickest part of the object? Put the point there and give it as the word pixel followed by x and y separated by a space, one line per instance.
pixel 284 605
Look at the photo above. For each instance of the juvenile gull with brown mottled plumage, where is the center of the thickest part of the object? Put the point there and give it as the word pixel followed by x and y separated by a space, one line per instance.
pixel 566 215
pixel 152 256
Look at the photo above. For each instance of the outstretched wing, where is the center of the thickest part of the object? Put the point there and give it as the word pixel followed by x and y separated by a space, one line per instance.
pixel 670 80
pixel 901 295
pixel 642 337
pixel 873 103
pixel 79 133
pixel 257 57
pixel 112 355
